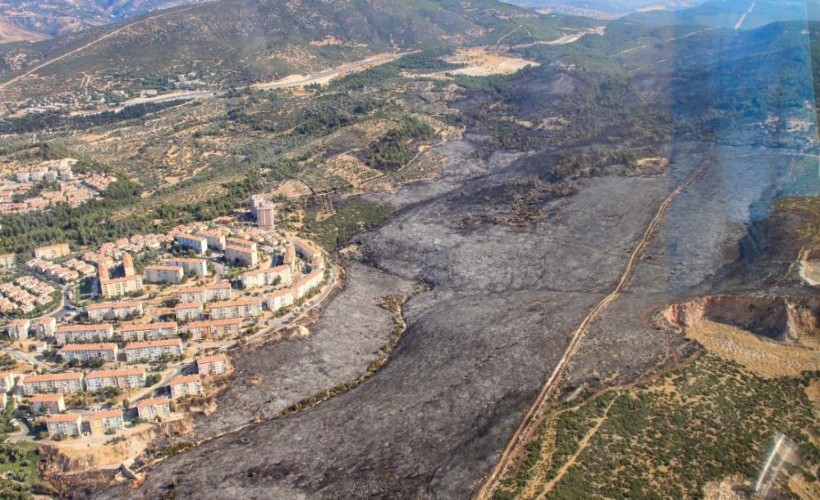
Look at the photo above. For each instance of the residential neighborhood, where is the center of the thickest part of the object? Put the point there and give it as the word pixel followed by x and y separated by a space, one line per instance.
pixel 131 332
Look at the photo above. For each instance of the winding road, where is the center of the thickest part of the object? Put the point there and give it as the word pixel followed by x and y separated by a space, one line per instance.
pixel 534 416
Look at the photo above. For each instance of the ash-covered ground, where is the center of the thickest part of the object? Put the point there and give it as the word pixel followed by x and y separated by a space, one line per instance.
pixel 501 305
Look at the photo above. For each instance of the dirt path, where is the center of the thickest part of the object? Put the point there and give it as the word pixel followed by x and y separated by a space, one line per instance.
pixel 532 419
pixel 745 14
pixel 571 461
pixel 89 44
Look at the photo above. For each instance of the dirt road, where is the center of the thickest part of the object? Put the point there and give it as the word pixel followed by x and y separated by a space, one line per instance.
pixel 532 419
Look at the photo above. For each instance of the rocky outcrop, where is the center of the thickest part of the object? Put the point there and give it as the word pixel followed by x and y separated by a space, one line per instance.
pixel 785 319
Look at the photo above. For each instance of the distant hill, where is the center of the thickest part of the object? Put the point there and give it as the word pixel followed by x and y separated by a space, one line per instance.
pixel 33 20
pixel 734 14
pixel 604 9
pixel 239 41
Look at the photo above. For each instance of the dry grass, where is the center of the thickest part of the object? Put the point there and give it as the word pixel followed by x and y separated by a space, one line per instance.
pixel 763 357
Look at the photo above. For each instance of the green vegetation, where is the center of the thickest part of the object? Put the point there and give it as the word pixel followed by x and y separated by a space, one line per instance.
pixel 397 147
pixel 355 216
pixel 19 477
pixel 667 439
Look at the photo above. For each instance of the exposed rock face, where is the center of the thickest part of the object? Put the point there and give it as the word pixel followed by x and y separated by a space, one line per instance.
pixel 785 319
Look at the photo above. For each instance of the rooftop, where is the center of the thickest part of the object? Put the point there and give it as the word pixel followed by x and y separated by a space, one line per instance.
pixel 89 347
pixel 155 343
pixel 211 359
pixel 136 327
pixel 184 379
pixel 127 372
pixel 67 417
pixel 52 377
pixel 114 305
pixel 145 403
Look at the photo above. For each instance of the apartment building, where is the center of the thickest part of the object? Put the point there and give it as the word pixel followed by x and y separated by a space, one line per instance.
pixel 148 331
pixel 215 240
pixel 195 243
pixel 289 258
pixel 7 261
pixel 308 282
pixel 154 409
pixel 47 403
pixel 53 382
pixel 186 385
pixel 164 274
pixel 111 288
pixel 110 311
pixel 217 364
pixel 43 327
pixel 69 424
pixel 18 329
pixel 198 267
pixel 265 213
pixel 207 293
pixel 69 334
pixel 241 255
pixel 85 352
pixel 6 381
pixel 106 421
pixel 151 351
pixel 128 378
pixel 279 299
pixel 265 277
pixel 52 251
pixel 215 329
pixel 242 308
pixel 189 311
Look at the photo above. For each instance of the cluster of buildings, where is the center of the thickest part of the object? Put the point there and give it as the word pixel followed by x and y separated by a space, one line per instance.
pixel 25 295
pixel 139 331
pixel 128 283
pixel 16 196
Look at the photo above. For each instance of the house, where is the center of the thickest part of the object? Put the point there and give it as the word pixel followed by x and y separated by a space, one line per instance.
pixel 47 403
pixel 164 274
pixel 199 267
pixel 215 240
pixel 18 329
pixel 240 243
pixel 69 424
pixel 53 382
pixel 67 334
pixel 7 261
pixel 195 243
pixel 110 311
pixel 6 381
pixel 279 299
pixel 189 311
pixel 154 409
pixel 241 255
pixel 242 308
pixel 151 351
pixel 306 249
pixel 104 422
pixel 215 329
pixel 212 365
pixel 128 378
pixel 52 251
pixel 185 385
pixel 43 327
pixel 85 352
pixel 148 331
